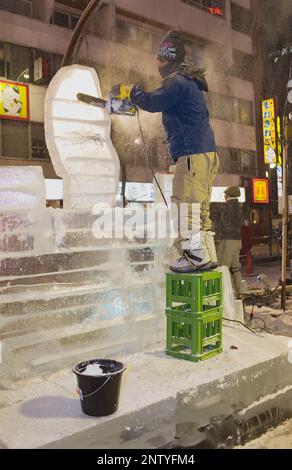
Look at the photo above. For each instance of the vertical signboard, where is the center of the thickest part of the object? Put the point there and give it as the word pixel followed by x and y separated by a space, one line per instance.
pixel 279 165
pixel 269 131
pixel 260 191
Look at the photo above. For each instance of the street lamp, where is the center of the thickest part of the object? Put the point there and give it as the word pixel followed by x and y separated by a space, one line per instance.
pixel 25 74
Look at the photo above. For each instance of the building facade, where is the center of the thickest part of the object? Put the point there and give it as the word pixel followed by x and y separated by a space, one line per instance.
pixel 121 42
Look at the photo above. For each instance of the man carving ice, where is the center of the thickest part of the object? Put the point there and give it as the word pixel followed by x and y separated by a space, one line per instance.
pixel 191 145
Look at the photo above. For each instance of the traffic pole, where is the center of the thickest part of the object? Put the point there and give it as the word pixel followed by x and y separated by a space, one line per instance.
pixel 284 215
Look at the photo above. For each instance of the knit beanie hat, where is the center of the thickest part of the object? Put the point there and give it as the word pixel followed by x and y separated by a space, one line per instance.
pixel 172 47
pixel 232 191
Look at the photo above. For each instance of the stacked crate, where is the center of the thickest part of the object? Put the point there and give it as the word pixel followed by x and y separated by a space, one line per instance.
pixel 194 315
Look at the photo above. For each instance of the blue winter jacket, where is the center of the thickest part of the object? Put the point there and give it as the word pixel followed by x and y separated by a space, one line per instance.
pixel 184 113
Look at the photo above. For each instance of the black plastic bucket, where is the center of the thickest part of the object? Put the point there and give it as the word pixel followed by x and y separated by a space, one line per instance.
pixel 99 395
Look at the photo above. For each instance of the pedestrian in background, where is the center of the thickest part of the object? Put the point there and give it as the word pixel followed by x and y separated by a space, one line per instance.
pixel 230 222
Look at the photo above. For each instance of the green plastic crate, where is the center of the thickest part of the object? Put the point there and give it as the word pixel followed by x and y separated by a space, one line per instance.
pixel 194 337
pixel 194 292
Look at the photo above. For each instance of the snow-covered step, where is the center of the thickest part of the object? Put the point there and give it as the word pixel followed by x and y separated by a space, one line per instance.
pixel 85 238
pixel 78 276
pixel 21 325
pixel 53 298
pixel 51 263
pixel 116 303
pixel 53 362
pixel 20 352
pixel 12 267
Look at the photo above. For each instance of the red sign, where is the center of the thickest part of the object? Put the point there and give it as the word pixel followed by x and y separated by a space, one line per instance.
pixel 260 191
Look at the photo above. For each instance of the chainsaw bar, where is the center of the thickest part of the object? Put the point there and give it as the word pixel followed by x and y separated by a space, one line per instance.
pixel 117 106
pixel 92 100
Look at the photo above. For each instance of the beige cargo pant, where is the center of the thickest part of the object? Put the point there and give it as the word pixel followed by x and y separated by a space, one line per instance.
pixel 228 255
pixel 192 183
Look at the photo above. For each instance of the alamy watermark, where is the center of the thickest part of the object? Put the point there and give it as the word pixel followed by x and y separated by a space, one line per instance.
pixel 155 221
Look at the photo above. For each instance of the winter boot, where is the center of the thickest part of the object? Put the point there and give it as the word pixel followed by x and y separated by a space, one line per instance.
pixel 210 244
pixel 195 258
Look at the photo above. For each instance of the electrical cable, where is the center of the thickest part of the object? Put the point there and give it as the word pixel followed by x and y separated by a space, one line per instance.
pixel 146 155
pixel 251 318
pixel 259 328
pixel 262 296
pixel 241 323
pixel 253 330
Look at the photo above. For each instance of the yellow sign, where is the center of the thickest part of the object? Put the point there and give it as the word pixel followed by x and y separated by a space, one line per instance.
pixel 14 100
pixel 269 131
pixel 260 191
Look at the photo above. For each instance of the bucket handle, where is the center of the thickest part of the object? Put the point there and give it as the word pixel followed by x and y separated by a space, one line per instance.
pixel 92 393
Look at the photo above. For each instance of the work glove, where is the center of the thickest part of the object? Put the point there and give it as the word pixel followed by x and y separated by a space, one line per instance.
pixel 121 92
pixel 120 101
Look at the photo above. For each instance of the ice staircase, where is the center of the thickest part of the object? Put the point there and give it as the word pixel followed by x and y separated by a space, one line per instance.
pixel 69 296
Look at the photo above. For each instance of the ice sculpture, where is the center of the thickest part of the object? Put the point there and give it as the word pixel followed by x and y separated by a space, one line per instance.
pixel 78 139
pixel 65 294
pixel 22 188
pixel 22 210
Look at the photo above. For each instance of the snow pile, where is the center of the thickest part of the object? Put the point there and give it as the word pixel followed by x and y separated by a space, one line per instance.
pixel 93 369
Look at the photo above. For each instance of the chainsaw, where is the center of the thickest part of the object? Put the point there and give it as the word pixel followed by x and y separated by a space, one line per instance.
pixel 118 101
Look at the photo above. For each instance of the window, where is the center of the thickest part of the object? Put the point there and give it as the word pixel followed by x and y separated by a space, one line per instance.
pixel 2 59
pixel 126 33
pixel 20 7
pixel 39 149
pixel 19 58
pixel 221 107
pixel 208 99
pixel 235 161
pixel 74 21
pixel 214 7
pixel 229 160
pixel 156 39
pixel 195 52
pixel 241 19
pixel 223 154
pixel 243 112
pixel 229 108
pixel 14 137
pixel 56 63
pixel 133 35
pixel 248 160
pixel 60 19
pixel 65 20
pixel 217 58
pixel 42 65
pixel 243 65
pixel 144 39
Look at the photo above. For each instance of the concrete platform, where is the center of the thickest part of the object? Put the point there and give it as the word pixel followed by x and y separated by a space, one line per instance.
pixel 164 402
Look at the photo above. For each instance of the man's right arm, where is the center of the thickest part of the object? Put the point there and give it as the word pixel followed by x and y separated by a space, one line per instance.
pixel 159 100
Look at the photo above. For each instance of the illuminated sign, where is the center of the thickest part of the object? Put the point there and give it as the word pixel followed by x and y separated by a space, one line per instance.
pixel 217 11
pixel 280 180
pixel 279 140
pixel 260 191
pixel 269 131
pixel 14 100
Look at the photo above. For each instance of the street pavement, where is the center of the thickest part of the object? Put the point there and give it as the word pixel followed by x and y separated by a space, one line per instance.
pixel 278 438
pixel 268 315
